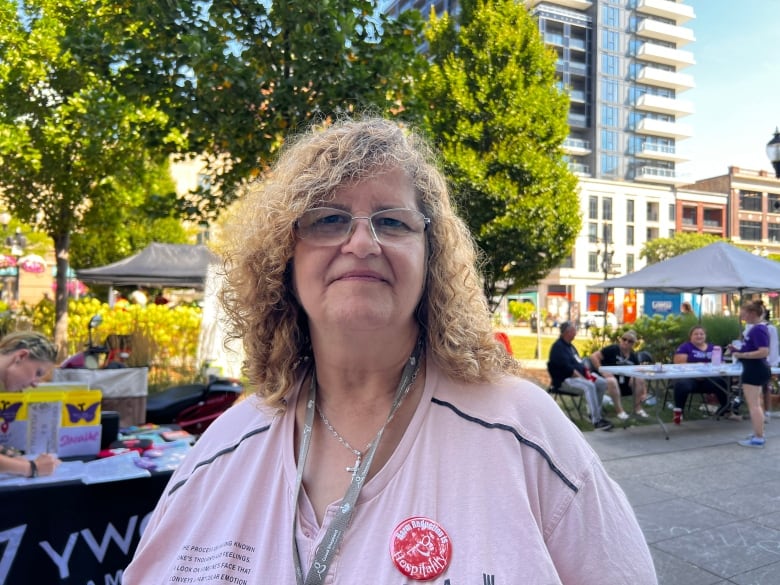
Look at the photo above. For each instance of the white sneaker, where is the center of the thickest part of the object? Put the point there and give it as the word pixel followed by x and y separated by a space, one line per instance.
pixel 622 415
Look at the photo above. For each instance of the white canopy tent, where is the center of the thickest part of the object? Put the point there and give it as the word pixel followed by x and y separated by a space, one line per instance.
pixel 717 268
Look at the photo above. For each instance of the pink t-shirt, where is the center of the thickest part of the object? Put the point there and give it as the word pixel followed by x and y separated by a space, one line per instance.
pixel 521 497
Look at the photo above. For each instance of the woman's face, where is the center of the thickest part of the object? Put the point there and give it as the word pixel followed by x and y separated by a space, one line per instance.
pixel 698 336
pixel 361 284
pixel 24 372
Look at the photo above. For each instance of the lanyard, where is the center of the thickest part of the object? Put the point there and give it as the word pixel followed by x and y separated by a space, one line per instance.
pixel 327 549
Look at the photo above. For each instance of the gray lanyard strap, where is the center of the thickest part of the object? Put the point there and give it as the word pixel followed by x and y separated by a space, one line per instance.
pixel 338 526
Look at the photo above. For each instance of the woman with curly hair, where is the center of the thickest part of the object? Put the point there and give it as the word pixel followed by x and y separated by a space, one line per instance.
pixel 391 437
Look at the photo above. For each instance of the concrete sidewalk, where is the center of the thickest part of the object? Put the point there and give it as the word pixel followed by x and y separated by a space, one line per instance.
pixel 709 508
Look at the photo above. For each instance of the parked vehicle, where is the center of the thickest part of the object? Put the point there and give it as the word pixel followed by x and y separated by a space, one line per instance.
pixel 596 319
pixel 193 406
pixel 93 356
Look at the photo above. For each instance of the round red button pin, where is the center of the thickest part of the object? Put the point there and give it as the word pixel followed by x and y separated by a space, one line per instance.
pixel 420 548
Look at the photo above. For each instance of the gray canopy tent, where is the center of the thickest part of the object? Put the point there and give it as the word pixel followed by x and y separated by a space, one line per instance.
pixel 157 265
pixel 717 268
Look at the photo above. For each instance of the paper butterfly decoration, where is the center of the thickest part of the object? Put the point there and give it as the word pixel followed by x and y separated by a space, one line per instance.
pixel 8 412
pixel 77 412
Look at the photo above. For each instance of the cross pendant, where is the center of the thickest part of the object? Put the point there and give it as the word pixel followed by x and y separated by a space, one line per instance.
pixel 354 469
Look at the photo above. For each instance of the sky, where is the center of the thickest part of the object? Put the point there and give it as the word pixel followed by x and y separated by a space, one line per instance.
pixel 737 93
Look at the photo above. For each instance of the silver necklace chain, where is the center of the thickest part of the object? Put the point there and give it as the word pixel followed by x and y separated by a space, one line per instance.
pixel 359 454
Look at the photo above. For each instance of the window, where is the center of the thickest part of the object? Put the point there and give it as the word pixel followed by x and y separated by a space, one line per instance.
pixel 593 207
pixel 652 211
pixel 750 201
pixel 593 232
pixel 607 232
pixel 593 262
pixel 629 263
pixel 610 89
pixel 652 234
pixel 672 212
pixel 609 116
pixel 773 232
pixel 610 40
pixel 606 209
pixel 773 203
pixel 630 210
pixel 610 64
pixel 609 164
pixel 750 230
pixel 609 140
pixel 629 235
pixel 611 16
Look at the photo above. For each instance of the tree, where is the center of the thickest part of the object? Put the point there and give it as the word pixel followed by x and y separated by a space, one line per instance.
pixel 68 138
pixel 664 248
pixel 237 76
pixel 490 101
pixel 149 215
pixel 95 94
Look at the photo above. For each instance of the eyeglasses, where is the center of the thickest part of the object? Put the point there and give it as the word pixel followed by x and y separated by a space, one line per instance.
pixel 326 226
pixel 628 341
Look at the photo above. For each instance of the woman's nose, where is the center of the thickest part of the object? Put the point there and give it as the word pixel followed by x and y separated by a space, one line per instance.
pixel 362 239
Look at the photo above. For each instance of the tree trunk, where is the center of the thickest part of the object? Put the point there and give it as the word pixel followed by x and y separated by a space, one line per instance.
pixel 61 248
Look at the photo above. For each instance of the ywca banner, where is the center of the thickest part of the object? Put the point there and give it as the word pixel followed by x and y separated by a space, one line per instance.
pixel 73 533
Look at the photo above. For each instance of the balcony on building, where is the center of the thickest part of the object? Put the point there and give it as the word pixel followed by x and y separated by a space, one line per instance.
pixel 574 4
pixel 650 174
pixel 579 169
pixel 660 31
pixel 680 13
pixel 665 129
pixel 664 105
pixel 668 79
pixel 660 152
pixel 665 55
pixel 578 120
pixel 576 146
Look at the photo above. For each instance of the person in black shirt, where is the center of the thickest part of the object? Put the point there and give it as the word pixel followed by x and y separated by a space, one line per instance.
pixel 567 369
pixel 622 354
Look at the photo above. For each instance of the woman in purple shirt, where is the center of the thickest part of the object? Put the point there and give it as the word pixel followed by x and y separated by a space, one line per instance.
pixel 698 349
pixel 755 368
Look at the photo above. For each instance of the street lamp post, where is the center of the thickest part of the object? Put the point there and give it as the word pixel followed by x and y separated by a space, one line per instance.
pixel 773 152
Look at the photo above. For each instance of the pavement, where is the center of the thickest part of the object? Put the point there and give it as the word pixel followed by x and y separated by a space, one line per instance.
pixel 709 508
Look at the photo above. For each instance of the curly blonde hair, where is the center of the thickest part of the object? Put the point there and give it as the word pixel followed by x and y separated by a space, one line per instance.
pixel 258 296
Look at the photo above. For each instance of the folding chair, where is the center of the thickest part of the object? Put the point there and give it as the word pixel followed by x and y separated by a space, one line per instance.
pixel 570 399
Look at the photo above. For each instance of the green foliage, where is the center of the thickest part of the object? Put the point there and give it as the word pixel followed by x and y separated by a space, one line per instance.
pixel 112 233
pixel 235 77
pixel 661 336
pixel 489 100
pixel 166 339
pixel 661 249
pixel 69 137
pixel 521 311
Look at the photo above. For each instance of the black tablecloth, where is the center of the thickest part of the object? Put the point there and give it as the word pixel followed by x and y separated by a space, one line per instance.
pixel 72 533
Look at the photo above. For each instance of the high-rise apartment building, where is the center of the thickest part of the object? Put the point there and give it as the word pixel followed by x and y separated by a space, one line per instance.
pixel 622 63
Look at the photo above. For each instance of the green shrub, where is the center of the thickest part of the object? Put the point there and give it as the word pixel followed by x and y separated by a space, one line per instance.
pixel 661 336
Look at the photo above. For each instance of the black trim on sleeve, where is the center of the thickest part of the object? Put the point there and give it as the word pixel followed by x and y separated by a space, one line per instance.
pixel 213 458
pixel 522 440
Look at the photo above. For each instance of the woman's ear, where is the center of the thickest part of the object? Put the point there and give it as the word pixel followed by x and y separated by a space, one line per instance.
pixel 20 354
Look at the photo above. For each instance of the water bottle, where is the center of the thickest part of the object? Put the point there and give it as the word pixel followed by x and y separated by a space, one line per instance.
pixel 717 355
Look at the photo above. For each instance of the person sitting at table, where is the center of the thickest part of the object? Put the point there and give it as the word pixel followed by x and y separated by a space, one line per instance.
pixel 566 368
pixel 621 354
pixel 698 350
pixel 26 358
